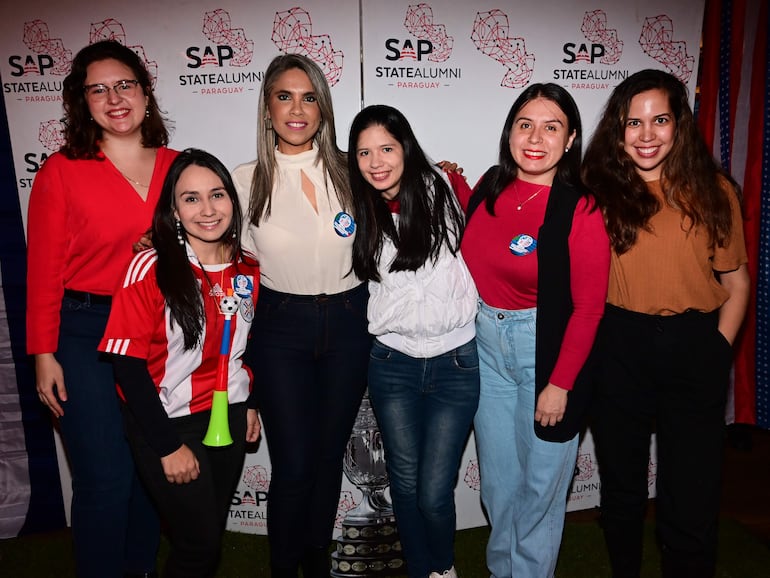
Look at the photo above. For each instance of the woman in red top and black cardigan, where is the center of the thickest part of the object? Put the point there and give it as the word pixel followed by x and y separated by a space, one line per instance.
pixel 538 253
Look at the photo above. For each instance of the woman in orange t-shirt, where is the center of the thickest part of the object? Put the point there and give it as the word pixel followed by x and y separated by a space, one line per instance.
pixel 677 295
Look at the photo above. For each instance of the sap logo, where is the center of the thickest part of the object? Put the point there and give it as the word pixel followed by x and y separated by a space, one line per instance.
pixel 208 55
pixel 400 51
pixel 583 53
pixel 30 64
pixel 249 498
pixel 34 161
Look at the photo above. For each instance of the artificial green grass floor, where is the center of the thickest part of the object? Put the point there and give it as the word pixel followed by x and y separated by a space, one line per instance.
pixel 741 555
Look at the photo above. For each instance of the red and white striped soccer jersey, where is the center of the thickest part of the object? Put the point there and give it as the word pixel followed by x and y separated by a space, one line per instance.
pixel 139 326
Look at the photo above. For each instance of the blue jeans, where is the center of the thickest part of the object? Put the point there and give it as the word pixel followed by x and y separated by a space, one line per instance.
pixel 524 480
pixel 309 355
pixel 115 527
pixel 424 408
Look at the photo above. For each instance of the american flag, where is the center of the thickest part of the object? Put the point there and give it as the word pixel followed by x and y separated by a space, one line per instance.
pixel 734 116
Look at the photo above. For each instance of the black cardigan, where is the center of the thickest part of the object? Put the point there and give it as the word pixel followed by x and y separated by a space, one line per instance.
pixel 554 307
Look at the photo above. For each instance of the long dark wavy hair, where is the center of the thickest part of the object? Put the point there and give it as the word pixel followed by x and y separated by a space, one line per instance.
pixel 332 158
pixel 429 216
pixel 176 279
pixel 689 178
pixel 81 133
pixel 497 178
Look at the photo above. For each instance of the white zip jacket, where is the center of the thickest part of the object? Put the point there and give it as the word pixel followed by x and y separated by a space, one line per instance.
pixel 423 313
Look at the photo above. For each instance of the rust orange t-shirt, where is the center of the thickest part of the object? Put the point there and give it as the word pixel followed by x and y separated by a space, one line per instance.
pixel 670 268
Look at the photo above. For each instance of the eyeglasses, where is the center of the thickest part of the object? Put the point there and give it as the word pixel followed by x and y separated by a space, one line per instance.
pixel 122 88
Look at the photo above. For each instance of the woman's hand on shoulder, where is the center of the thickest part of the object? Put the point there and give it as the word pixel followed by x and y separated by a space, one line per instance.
pixel 253 427
pixel 144 242
pixel 449 167
pixel 551 405
pixel 181 466
pixel 49 381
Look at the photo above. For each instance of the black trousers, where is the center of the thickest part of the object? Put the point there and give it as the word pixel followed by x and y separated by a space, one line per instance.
pixel 310 356
pixel 667 374
pixel 196 513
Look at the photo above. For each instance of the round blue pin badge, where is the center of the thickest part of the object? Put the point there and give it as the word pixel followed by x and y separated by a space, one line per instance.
pixel 523 244
pixel 344 225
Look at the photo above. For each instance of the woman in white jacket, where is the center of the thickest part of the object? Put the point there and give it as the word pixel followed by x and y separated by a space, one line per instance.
pixel 423 368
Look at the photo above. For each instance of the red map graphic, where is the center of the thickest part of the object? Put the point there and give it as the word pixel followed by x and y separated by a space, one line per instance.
pixel 111 29
pixel 256 478
pixel 51 134
pixel 217 28
pixel 472 477
pixel 36 37
pixel 419 23
pixel 293 33
pixel 490 35
pixel 346 504
pixel 652 472
pixel 595 29
pixel 584 468
pixel 657 41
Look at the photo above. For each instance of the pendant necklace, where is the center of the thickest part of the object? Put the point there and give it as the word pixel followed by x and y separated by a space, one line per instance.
pixel 132 181
pixel 125 176
pixel 523 244
pixel 529 198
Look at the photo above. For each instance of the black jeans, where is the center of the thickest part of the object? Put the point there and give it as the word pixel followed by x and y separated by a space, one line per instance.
pixel 667 374
pixel 196 512
pixel 309 355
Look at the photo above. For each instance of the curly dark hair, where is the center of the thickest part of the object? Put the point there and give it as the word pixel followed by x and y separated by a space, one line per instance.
pixel 690 176
pixel 81 134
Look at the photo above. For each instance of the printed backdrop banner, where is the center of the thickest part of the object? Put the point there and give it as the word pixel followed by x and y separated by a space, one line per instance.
pixel 455 68
pixel 451 66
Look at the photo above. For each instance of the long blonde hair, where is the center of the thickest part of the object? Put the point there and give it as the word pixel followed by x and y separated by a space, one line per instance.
pixel 333 159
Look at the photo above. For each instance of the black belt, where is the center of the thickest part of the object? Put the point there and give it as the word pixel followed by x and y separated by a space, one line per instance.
pixel 88 298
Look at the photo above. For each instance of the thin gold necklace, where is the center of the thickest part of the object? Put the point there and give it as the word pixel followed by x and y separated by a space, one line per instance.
pixel 132 181
pixel 125 176
pixel 528 199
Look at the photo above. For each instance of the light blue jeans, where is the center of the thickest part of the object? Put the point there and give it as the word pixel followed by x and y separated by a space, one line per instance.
pixel 424 408
pixel 524 480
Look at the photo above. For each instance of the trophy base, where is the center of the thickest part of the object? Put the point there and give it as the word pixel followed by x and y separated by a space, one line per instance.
pixel 369 548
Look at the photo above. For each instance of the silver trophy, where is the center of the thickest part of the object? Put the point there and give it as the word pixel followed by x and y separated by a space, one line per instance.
pixel 369 545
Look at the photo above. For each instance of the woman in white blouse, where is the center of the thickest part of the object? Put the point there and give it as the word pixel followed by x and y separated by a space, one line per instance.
pixel 310 345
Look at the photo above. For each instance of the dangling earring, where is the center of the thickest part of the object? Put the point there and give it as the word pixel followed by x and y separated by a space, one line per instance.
pixel 235 234
pixel 268 123
pixel 147 112
pixel 179 236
